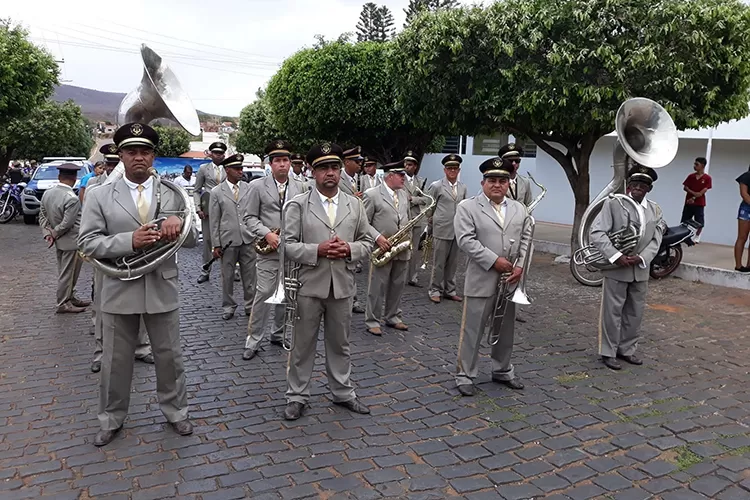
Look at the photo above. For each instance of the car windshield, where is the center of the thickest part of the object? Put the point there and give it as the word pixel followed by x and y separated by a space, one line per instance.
pixel 51 173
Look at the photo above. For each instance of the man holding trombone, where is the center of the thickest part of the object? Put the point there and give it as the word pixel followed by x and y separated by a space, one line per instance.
pixel 495 234
pixel 325 233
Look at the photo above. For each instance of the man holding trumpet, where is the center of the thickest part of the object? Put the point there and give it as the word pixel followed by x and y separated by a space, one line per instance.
pixel 491 230
pixel 325 233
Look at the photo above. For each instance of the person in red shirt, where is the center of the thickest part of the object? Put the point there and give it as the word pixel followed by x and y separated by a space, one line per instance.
pixel 696 186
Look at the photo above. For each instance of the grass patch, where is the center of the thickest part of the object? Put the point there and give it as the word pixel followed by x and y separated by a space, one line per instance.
pixel 571 377
pixel 489 405
pixel 594 401
pixel 686 458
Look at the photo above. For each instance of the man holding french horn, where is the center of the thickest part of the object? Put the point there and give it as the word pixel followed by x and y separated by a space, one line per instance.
pixel 120 219
pixel 625 287
pixel 266 198
pixel 325 233
pixel 494 233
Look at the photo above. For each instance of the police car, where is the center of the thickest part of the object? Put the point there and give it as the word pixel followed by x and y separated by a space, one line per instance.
pixel 43 178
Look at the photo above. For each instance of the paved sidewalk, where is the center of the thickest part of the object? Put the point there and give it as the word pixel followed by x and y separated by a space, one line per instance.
pixel 675 428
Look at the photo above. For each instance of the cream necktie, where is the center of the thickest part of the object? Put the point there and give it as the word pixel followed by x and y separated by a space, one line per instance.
pixel 499 214
pixel 142 204
pixel 218 174
pixel 282 191
pixel 331 211
pixel 395 200
pixel 455 192
pixel 236 190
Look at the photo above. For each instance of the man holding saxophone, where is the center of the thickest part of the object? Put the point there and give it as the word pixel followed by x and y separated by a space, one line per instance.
pixel 491 230
pixel 263 217
pixel 625 287
pixel 387 208
pixel 414 187
pixel 116 222
pixel 325 233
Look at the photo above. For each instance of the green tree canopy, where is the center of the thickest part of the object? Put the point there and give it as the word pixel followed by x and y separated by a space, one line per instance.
pixel 343 92
pixel 375 24
pixel 416 7
pixel 557 72
pixel 173 141
pixel 52 129
pixel 256 129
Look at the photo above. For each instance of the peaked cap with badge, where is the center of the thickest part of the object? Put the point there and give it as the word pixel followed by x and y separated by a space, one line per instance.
pixel 410 156
pixel 298 158
pixel 370 161
pixel 109 152
pixel 326 152
pixel 643 174
pixel 354 153
pixel 511 150
pixel 452 160
pixel 396 167
pixel 136 134
pixel 277 148
pixel 494 167
pixel 68 168
pixel 218 147
pixel 234 161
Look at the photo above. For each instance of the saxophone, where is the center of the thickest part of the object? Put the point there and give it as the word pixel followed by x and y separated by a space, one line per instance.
pixel 261 245
pixel 401 241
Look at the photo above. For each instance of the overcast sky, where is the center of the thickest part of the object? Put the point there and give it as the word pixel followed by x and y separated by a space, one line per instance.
pixel 221 52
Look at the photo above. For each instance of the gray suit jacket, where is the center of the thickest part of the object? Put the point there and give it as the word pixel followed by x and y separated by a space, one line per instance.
pixel 227 217
pixel 107 225
pixel 60 211
pixel 346 186
pixel 382 214
pixel 522 190
pixel 264 207
pixel 442 216
pixel 307 225
pixel 613 217
pixel 480 236
pixel 416 202
pixel 205 181
pixel 368 182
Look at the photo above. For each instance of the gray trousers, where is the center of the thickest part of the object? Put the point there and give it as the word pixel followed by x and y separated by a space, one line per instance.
pixel 387 281
pixel 68 269
pixel 620 316
pixel 120 337
pixel 416 256
pixel 267 275
pixel 244 255
pixel 208 249
pixel 337 316
pixel 476 312
pixel 143 346
pixel 444 264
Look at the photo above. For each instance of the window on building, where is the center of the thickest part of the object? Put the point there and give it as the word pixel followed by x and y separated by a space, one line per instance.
pixel 529 149
pixel 488 145
pixel 452 144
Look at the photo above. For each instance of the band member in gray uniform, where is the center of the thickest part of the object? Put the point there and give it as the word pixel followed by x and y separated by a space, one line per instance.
pixel 208 177
pixel 448 193
pixel 115 223
pixel 387 208
pixel 417 203
pixel 298 165
pixel 624 289
pixel 143 346
pixel 348 184
pixel 485 225
pixel 520 186
pixel 325 232
pixel 230 236
pixel 60 218
pixel 263 217
pixel 369 175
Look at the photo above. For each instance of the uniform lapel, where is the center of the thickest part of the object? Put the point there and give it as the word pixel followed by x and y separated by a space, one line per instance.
pixel 273 191
pixel 228 192
pixel 316 207
pixel 125 200
pixel 510 213
pixel 343 210
pixel 388 198
pixel 243 190
pixel 489 211
pixel 447 187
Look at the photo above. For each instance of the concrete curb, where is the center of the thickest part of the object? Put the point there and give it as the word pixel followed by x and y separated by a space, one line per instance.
pixel 686 271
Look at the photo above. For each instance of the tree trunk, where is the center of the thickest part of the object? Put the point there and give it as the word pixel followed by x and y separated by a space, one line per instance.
pixel 581 195
pixel 5 156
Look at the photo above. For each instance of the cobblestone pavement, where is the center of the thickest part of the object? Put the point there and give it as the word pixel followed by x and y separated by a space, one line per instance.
pixel 675 428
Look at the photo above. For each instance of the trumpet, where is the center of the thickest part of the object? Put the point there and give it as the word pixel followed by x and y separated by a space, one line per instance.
pixel 426 252
pixel 401 241
pixel 287 286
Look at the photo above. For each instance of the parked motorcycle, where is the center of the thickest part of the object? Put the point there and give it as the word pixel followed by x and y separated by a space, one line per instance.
pixel 10 201
pixel 667 259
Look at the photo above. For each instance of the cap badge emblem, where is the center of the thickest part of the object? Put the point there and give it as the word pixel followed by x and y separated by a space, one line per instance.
pixel 325 148
pixel 112 148
pixel 279 144
pixel 136 129
pixel 498 162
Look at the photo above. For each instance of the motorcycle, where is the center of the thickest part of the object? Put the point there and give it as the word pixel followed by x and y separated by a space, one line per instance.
pixel 10 201
pixel 667 259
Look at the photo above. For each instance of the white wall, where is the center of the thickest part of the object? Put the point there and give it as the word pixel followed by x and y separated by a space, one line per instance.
pixel 728 160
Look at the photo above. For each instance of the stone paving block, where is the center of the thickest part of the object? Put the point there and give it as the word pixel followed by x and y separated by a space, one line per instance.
pixel 657 468
pixel 576 474
pixel 550 482
pixel 532 452
pixel 519 492
pixel 733 493
pixel 634 493
pixel 709 485
pixel 658 486
pixel 683 495
pixel 642 453
pixel 612 482
pixel 469 484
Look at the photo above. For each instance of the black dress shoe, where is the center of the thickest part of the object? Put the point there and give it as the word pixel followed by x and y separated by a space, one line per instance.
pixel 249 354
pixel 354 405
pixel 96 366
pixel 633 360
pixel 202 278
pixel 276 342
pixel 513 383
pixel 467 389
pixel 611 363
pixel 520 319
pixel 183 427
pixel 148 358
pixel 358 309
pixel 227 316
pixel 293 410
pixel 415 284
pixel 105 437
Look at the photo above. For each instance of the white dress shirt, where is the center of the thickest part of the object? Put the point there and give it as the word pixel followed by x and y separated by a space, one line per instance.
pixel 325 202
pixel 616 256
pixel 148 190
pixel 503 205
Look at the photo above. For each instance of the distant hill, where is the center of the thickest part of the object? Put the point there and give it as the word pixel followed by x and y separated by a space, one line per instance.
pixel 97 105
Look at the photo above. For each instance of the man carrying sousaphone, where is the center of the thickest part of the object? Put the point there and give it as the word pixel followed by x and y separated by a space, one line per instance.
pixel 624 288
pixel 485 225
pixel 263 217
pixel 325 233
pixel 208 177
